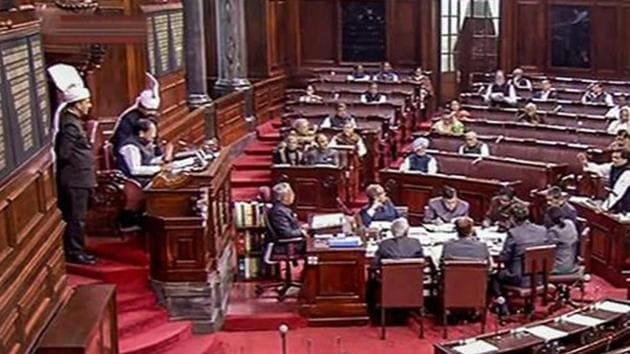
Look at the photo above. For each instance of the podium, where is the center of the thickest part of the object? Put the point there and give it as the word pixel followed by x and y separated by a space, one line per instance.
pixel 190 235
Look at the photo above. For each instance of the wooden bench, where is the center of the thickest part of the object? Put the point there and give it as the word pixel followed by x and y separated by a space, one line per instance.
pixel 567 106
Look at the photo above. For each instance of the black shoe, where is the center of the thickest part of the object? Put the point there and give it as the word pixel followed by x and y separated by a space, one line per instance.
pixel 90 257
pixel 80 259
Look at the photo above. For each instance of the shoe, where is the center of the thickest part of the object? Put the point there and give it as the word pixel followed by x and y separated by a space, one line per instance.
pixel 81 259
pixel 90 257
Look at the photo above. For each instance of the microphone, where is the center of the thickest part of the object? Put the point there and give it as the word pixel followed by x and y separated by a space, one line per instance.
pixel 477 160
pixel 556 109
pixel 283 329
pixel 499 139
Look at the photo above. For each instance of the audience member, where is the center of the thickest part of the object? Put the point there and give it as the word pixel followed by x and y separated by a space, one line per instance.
pixel 379 208
pixel 615 112
pixel 310 96
pixel 546 92
pixel 419 160
pixel 466 246
pixel 321 154
pixel 358 74
pixel 372 95
pixel 500 92
pixel 621 141
pixel 445 208
pixel 472 145
pixel 400 246
pixel 303 132
pixel 530 114
pixel 595 94
pixel 519 81
pixel 457 110
pixel 288 152
pixel 563 233
pixel 500 211
pixel 623 123
pixel 618 176
pixel 556 198
pixel 140 158
pixel 448 125
pixel 348 137
pixel 340 118
pixel 386 73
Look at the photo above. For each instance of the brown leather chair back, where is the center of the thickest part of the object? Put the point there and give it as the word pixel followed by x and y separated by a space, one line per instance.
pixel 539 260
pixel 402 283
pixel 464 283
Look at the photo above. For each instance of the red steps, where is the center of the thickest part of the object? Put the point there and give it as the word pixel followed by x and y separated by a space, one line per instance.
pixel 259 163
pixel 208 344
pixel 162 337
pixel 136 300
pixel 77 280
pixel 124 276
pixel 135 322
pixel 244 194
pixel 250 178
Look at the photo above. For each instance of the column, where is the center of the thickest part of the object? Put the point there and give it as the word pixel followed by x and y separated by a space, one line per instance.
pixel 231 46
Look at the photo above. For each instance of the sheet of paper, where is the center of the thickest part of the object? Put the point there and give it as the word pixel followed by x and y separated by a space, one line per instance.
pixel 546 333
pixel 476 347
pixel 327 220
pixel 584 320
pixel 612 306
pixel 380 225
pixel 440 228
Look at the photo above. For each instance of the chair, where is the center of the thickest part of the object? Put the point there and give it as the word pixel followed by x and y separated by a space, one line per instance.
pixel 272 257
pixel 578 279
pixel 402 286
pixel 464 286
pixel 538 262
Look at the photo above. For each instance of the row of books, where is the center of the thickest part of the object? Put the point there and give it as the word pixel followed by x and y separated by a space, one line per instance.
pixel 249 242
pixel 249 214
pixel 250 268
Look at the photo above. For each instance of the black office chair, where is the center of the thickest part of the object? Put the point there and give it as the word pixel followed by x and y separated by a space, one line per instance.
pixel 278 251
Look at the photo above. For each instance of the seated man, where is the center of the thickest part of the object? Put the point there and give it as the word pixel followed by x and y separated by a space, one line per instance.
pixel 379 208
pixel 321 154
pixel 420 161
pixel 618 176
pixel 358 74
pixel 288 152
pixel 472 145
pixel 348 137
pixel 530 115
pixel 524 234
pixel 340 118
pixel 448 125
pixel 595 94
pixel 400 246
pixel 501 205
pixel 310 96
pixel 446 208
pixel 623 123
pixel 500 92
pixel 304 133
pixel 621 141
pixel 466 247
pixel 556 198
pixel 615 112
pixel 386 73
pixel 372 95
pixel 457 110
pixel 519 81
pixel 546 92
pixel 282 221
pixel 563 233
pixel 140 158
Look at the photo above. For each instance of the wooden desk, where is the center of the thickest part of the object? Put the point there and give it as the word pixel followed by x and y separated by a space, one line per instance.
pixel 360 87
pixel 414 190
pixel 333 292
pixel 567 106
pixel 609 246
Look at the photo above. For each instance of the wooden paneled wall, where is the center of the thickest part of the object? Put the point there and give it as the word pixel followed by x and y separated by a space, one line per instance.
pixel 526 37
pixel 30 239
pixel 230 124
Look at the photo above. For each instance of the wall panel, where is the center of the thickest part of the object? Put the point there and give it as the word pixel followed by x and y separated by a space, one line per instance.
pixel 318 31
pixel 530 35
pixel 403 41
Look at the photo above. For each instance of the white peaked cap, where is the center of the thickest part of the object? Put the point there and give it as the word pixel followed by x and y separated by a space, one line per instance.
pixel 420 143
pixel 75 94
pixel 65 76
pixel 150 97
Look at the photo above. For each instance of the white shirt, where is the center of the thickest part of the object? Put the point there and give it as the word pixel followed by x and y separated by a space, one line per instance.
pixel 490 96
pixel 485 151
pixel 619 189
pixel 133 159
pixel 382 99
pixel 615 112
pixel 361 149
pixel 431 167
pixel 527 85
pixel 608 99
pixel 352 78
pixel 617 125
pixel 327 124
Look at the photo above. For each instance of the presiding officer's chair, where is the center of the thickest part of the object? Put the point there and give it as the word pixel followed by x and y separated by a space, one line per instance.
pixel 401 286
pixel 283 251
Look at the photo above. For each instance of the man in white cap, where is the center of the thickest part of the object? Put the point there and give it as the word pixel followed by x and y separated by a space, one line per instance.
pixel 420 161
pixel 75 170
pixel 145 107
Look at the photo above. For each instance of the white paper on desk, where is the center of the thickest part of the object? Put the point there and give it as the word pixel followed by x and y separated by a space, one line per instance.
pixel 380 225
pixel 327 220
pixel 440 228
pixel 582 320
pixel 546 333
pixel 417 231
pixel 179 164
pixel 612 306
pixel 476 347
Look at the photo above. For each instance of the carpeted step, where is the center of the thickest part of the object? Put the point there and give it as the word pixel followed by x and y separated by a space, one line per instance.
pixel 270 137
pixel 124 276
pixel 261 148
pixel 262 322
pixel 255 178
pixel 129 251
pixel 134 322
pixel 160 338
pixel 135 300
pixel 77 280
pixel 260 163
pixel 206 344
pixel 244 194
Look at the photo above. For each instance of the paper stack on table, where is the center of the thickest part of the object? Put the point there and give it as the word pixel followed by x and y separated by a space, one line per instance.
pixel 324 221
pixel 546 333
pixel 612 306
pixel 476 347
pixel 582 320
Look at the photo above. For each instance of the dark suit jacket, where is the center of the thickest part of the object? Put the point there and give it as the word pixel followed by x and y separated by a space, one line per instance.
pixel 518 239
pixel 465 248
pixel 282 222
pixel 397 248
pixel 75 162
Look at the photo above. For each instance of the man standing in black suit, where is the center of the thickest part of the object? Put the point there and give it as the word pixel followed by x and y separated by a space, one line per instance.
pixel 400 246
pixel 75 171
pixel 466 247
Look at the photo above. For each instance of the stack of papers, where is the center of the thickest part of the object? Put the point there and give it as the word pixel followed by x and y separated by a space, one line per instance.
pixel 546 333
pixel 324 221
pixel 380 225
pixel 612 306
pixel 582 320
pixel 476 347
pixel 440 228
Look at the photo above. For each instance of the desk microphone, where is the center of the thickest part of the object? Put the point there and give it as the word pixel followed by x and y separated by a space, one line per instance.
pixel 283 329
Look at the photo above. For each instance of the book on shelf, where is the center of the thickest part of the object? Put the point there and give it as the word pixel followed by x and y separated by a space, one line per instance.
pixel 249 214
